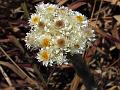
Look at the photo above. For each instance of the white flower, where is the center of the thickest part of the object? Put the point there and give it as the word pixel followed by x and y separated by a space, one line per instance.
pixel 45 40
pixel 34 20
pixel 30 40
pixel 57 30
pixel 44 56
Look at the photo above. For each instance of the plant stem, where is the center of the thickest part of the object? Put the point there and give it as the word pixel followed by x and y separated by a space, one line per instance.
pixel 83 71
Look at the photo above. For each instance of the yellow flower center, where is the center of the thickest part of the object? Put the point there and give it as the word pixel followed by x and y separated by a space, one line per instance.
pixel 61 11
pixel 35 19
pixel 45 55
pixel 79 18
pixel 50 9
pixel 46 42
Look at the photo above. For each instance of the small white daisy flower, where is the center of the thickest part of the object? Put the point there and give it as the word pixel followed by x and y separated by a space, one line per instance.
pixel 35 19
pixel 44 56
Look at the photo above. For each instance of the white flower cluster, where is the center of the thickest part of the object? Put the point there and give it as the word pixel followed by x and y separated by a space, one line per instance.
pixel 56 30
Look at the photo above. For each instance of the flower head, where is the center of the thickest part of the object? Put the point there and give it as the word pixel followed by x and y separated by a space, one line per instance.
pixel 56 30
pixel 79 18
pixel 45 42
pixel 44 56
pixel 30 40
pixel 50 9
pixel 35 19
